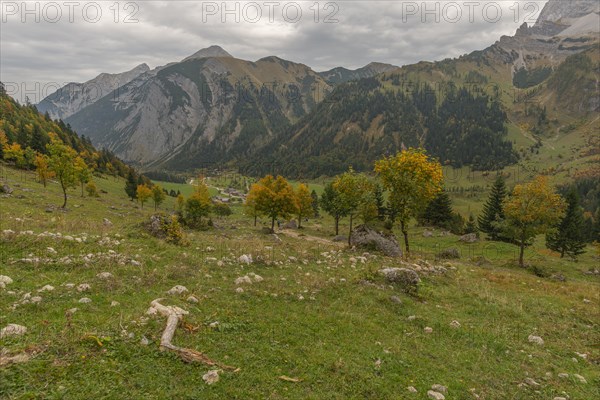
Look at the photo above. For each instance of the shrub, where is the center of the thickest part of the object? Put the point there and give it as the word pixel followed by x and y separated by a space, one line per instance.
pixel 91 189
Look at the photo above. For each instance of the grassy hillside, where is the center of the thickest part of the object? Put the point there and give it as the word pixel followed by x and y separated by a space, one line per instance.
pixel 321 314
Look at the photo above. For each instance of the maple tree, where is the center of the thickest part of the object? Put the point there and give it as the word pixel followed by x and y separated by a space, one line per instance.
pixel 143 193
pixel 531 209
pixel 304 202
pixel 413 180
pixel 273 197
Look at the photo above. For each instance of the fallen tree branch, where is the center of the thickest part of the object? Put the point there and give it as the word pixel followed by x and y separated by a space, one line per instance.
pixel 174 315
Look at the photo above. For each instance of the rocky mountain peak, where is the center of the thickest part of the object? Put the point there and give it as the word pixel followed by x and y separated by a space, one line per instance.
pixel 212 51
pixel 560 11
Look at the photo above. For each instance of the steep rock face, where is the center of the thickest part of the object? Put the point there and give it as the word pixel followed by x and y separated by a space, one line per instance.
pixel 562 10
pixel 563 28
pixel 339 75
pixel 74 97
pixel 201 110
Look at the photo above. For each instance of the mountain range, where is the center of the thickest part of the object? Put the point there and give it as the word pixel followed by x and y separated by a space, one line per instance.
pixel 486 109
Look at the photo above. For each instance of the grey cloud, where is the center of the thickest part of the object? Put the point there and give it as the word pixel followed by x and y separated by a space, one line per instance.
pixel 169 31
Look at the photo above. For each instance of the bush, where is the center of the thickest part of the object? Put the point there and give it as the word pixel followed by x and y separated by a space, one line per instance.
pixel 91 189
pixel 222 209
pixel 167 227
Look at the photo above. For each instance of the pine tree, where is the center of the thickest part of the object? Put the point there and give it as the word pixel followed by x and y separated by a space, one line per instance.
pixel 438 212
pixel 131 184
pixel 493 213
pixel 471 226
pixel 568 238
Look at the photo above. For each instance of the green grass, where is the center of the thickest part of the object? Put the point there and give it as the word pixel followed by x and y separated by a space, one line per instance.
pixel 331 340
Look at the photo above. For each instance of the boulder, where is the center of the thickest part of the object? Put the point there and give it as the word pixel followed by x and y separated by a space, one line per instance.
pixel 405 277
pixel 469 238
pixel 4 188
pixel 291 224
pixel 370 239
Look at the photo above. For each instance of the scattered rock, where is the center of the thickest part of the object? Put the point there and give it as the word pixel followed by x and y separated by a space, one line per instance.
pixel 411 389
pixel 239 290
pixel 469 238
pixel 35 299
pixel 411 317
pixel 365 237
pixel 435 395
pixel 46 288
pixel 586 301
pixel 580 378
pixel 192 299
pixel 144 341
pixel 85 300
pixel 177 289
pixel 13 330
pixel 245 259
pixel 5 280
pixel 104 275
pixel 439 388
pixel 535 339
pixel 114 303
pixel 563 375
pixel 559 398
pixel 51 250
pixel 428 329
pixel 211 377
pixel 455 324
pixel 531 382
pixel 257 278
pixel 396 299
pixel 4 188
pixel 340 238
pixel 427 233
pixel 243 279
pixel 72 311
pixel 407 278
pixel 106 222
pixel 84 287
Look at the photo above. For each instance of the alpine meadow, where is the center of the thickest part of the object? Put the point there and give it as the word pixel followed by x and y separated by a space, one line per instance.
pixel 355 200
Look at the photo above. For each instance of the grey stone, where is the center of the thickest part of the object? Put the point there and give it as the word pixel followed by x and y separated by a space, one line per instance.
pixel 365 237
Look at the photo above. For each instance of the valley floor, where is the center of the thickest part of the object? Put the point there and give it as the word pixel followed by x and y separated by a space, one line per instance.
pixel 321 314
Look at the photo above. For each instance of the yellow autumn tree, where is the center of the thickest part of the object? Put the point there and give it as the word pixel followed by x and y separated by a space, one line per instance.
pixel 82 172
pixel 14 152
pixel 158 196
pixel 413 179
pixel 143 193
pixel 357 195
pixel 531 209
pixel 273 197
pixel 304 202
pixel 61 163
pixel 41 167
pixel 197 206
pixel 180 203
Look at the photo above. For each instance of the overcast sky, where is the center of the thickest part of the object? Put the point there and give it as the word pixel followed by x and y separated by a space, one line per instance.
pixel 51 43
